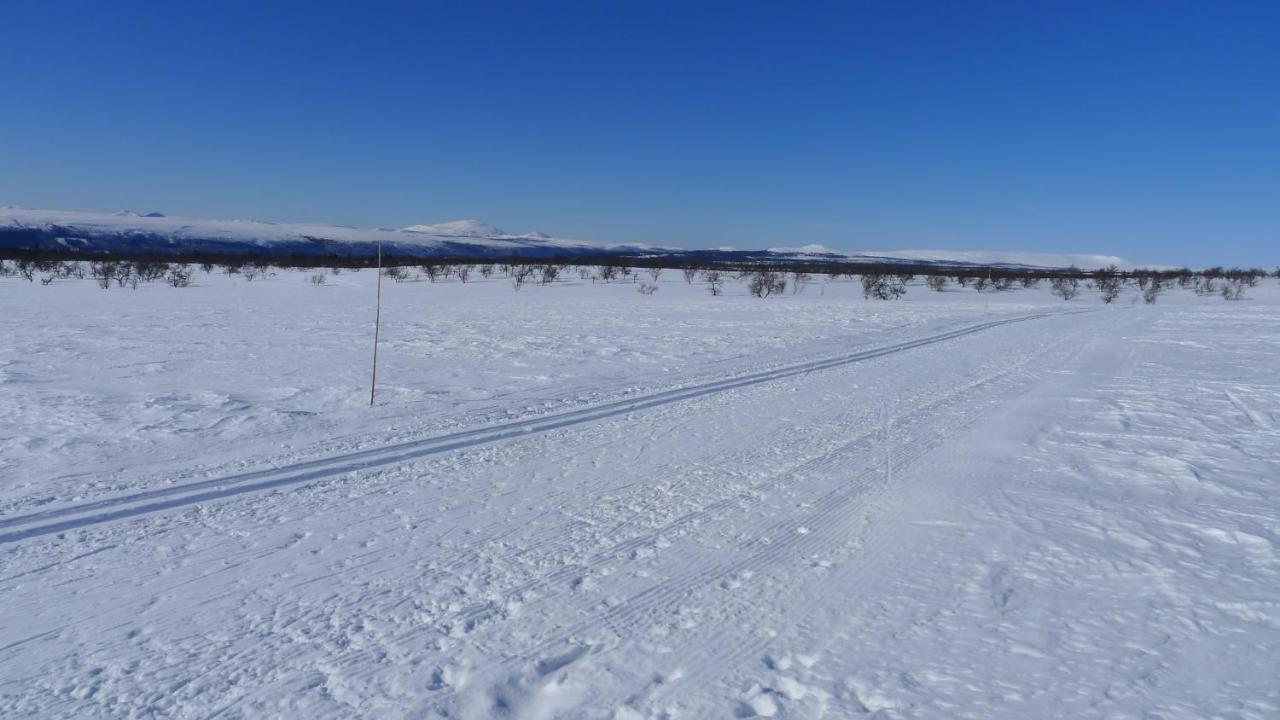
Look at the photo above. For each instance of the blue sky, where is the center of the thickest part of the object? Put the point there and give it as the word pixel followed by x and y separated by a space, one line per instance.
pixel 1147 130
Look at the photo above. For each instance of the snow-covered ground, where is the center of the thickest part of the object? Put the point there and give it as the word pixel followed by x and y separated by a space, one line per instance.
pixel 582 501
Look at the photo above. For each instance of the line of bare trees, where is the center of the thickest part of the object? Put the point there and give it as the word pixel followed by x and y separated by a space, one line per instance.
pixel 105 273
pixel 761 279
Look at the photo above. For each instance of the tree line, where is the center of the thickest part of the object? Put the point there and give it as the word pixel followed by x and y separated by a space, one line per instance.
pixel 763 278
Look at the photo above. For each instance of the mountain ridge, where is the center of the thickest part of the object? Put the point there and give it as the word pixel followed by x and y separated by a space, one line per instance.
pixel 127 232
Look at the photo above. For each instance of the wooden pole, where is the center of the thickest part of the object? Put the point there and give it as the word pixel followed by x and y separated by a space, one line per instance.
pixel 377 323
pixel 986 300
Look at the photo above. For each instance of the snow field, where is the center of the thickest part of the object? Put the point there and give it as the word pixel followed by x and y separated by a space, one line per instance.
pixel 120 381
pixel 1064 516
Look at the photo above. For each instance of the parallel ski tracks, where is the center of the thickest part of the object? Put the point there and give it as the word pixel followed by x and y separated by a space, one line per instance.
pixel 57 520
pixel 826 527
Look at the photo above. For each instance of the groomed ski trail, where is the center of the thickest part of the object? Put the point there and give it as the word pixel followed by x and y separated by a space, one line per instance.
pixel 57 520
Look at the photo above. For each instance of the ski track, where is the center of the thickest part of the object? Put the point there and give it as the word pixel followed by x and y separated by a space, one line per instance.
pixel 832 526
pixel 826 528
pixel 606 561
pixel 118 508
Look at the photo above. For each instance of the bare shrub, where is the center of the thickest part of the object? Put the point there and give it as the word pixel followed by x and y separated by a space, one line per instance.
pixel 121 272
pixel 715 284
pixel 52 269
pixel 1233 289
pixel 102 271
pixel 1064 287
pixel 1152 290
pixel 463 272
pixel 26 269
pixel 798 281
pixel 937 283
pixel 1108 281
pixel 179 276
pixel 690 272
pixel 647 288
pixel 764 283
pixel 519 274
pixel 396 273
pixel 655 273
pixel 317 279
pixel 882 287
pixel 146 271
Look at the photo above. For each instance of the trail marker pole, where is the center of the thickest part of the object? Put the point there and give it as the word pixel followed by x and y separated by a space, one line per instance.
pixel 377 323
pixel 986 300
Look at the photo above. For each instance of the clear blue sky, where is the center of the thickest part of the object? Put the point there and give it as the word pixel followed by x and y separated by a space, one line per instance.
pixel 1148 130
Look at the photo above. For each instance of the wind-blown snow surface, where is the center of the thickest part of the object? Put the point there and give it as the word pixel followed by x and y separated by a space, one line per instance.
pixel 955 505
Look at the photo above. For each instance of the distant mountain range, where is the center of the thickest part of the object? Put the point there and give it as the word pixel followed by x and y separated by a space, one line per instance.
pixel 152 233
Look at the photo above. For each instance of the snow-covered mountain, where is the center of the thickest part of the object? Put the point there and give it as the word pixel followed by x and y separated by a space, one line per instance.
pixel 458 228
pixel 984 258
pixel 473 229
pixel 132 214
pixel 128 232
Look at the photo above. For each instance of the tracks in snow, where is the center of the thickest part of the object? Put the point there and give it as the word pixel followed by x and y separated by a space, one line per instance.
pixel 97 512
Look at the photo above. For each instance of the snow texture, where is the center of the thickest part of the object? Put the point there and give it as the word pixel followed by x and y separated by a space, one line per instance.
pixel 581 501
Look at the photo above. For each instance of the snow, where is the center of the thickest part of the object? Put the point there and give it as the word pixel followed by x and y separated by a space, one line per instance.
pixel 810 249
pixel 193 234
pixel 110 232
pixel 458 228
pixel 968 257
pixel 474 229
pixel 132 214
pixel 1023 259
pixel 581 501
